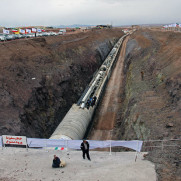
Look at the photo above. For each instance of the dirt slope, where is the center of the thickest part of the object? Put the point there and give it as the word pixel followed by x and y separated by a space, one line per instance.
pixel 41 78
pixel 151 108
pixel 106 114
pixel 143 102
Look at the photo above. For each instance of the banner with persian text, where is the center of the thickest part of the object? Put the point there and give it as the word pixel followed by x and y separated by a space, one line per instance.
pixel 14 140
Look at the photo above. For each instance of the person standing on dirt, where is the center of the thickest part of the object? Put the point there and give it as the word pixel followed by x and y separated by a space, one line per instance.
pixel 142 75
pixel 85 149
pixel 56 162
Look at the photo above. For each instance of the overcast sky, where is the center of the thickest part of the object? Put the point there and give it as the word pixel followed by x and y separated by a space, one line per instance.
pixel 90 12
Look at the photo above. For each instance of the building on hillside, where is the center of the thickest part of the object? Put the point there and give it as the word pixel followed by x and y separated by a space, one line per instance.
pixel 104 26
pixel 135 27
pixel 30 27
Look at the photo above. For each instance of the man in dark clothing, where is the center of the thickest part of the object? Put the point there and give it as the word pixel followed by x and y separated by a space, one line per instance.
pixel 85 149
pixel 56 162
pixel 93 101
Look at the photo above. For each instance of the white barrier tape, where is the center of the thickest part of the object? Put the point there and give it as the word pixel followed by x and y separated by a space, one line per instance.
pixel 134 144
pixel 0 141
pixel 36 142
pixel 75 144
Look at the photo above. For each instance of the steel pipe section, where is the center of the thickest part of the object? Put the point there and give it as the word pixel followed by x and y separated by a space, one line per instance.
pixel 75 123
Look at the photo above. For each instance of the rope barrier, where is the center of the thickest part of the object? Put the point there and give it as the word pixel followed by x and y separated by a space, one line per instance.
pixel 162 143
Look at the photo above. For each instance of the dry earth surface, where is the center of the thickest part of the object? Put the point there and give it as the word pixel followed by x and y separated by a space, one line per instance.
pixel 145 108
pixel 40 78
pixel 17 164
pixel 148 107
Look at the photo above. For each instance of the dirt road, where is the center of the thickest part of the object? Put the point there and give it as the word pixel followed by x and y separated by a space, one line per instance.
pixel 105 116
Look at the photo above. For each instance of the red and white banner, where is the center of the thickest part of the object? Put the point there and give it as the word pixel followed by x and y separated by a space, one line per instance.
pixel 14 30
pixel 14 140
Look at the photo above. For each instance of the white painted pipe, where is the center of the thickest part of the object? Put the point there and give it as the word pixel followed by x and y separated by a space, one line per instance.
pixel 90 89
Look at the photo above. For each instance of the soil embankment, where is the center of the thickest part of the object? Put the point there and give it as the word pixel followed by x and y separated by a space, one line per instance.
pixel 147 102
pixel 41 78
pixel 151 103
pixel 151 109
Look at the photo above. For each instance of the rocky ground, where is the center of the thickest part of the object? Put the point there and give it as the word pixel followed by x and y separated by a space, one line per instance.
pixel 144 101
pixel 151 104
pixel 41 78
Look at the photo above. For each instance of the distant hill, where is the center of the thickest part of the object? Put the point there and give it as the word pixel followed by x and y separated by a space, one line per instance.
pixel 72 26
pixel 143 25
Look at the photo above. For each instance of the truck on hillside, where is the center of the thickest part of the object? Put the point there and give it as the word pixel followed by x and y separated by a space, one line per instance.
pixel 62 31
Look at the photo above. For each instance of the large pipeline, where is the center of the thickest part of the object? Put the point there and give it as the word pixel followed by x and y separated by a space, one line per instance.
pixel 75 123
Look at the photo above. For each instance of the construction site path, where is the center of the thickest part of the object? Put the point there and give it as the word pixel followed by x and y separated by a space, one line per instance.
pixel 105 116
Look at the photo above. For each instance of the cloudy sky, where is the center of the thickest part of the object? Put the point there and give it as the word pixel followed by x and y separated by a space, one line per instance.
pixel 90 12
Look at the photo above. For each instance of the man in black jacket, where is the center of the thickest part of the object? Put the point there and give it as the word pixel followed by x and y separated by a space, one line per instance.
pixel 85 149
pixel 56 162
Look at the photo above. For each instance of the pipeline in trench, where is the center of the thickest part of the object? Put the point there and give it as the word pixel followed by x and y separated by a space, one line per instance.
pixel 102 125
pixel 75 123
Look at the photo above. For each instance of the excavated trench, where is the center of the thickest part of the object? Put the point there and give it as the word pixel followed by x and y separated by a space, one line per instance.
pixel 141 101
pixel 42 77
pixel 105 116
pixel 144 102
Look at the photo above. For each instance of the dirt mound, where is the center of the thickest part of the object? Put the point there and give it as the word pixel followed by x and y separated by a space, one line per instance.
pixel 41 78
